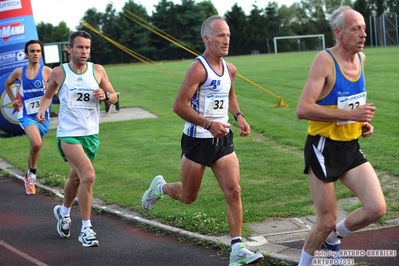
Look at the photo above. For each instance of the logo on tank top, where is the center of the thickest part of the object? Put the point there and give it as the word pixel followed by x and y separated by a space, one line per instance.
pixel 214 85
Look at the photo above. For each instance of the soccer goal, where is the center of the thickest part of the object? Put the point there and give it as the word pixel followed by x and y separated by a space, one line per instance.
pixel 299 37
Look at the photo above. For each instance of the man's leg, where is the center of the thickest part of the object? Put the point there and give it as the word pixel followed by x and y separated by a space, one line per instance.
pixel 36 142
pixel 227 173
pixel 82 168
pixel 187 190
pixel 81 178
pixel 364 182
pixel 324 199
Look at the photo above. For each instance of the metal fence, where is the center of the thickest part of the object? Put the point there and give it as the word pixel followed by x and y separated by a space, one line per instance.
pixel 384 30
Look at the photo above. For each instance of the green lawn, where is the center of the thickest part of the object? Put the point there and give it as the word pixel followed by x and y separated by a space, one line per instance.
pixel 272 179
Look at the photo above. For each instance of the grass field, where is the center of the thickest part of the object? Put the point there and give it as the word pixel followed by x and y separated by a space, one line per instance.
pixel 272 179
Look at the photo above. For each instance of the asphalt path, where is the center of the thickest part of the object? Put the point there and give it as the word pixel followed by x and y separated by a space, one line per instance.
pixel 28 236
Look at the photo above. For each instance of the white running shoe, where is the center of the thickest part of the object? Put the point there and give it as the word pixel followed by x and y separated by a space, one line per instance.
pixel 244 256
pixel 30 181
pixel 88 237
pixel 63 224
pixel 152 195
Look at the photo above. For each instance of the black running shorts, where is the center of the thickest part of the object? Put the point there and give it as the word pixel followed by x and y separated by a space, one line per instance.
pixel 208 150
pixel 329 159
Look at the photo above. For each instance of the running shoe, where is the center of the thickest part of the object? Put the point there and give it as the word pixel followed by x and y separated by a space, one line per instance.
pixel 30 180
pixel 88 237
pixel 244 256
pixel 63 224
pixel 334 249
pixel 152 195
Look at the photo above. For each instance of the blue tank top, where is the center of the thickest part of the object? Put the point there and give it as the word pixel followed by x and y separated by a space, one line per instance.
pixel 342 88
pixel 31 91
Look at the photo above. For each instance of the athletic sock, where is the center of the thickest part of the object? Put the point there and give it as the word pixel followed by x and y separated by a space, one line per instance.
pixel 235 243
pixel 64 211
pixel 339 232
pixel 160 188
pixel 306 259
pixel 85 223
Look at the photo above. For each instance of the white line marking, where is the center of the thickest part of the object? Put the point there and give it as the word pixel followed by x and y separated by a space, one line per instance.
pixel 20 253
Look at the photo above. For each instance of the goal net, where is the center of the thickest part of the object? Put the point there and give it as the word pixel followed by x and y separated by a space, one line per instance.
pixel 299 43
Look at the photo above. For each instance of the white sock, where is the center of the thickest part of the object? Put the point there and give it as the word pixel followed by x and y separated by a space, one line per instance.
pixel 339 232
pixel 85 223
pixel 160 188
pixel 306 259
pixel 236 245
pixel 64 211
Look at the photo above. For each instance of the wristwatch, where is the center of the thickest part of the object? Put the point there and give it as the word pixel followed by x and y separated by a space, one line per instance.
pixel 237 114
pixel 107 95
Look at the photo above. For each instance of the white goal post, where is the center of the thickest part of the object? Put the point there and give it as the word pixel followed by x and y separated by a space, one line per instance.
pixel 297 37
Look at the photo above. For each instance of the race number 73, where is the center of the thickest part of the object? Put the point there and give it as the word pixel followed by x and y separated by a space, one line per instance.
pixel 32 105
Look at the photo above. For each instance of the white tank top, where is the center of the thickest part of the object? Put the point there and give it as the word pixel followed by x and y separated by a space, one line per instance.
pixel 79 113
pixel 211 99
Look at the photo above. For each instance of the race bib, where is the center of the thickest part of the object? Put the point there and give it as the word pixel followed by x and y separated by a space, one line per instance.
pixel 216 105
pixel 32 105
pixel 81 98
pixel 351 102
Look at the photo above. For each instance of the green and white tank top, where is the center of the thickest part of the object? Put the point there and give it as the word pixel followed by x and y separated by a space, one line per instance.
pixel 79 113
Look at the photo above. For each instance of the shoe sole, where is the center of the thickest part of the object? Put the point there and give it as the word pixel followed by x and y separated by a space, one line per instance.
pixel 93 244
pixel 58 221
pixel 255 260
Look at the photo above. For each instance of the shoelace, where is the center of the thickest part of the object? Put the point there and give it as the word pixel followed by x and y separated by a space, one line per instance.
pixel 31 180
pixel 90 233
pixel 153 198
pixel 65 223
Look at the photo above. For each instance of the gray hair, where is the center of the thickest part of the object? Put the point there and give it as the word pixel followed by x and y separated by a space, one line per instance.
pixel 337 19
pixel 206 26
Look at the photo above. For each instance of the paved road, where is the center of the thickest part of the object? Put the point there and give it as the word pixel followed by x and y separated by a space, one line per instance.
pixel 28 236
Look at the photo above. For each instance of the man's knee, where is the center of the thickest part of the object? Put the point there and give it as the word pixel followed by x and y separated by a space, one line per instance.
pixel 233 194
pixel 327 222
pixel 188 199
pixel 377 211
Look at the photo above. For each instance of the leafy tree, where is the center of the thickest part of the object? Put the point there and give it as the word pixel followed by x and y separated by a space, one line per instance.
pixel 48 33
pixel 44 31
pixel 257 32
pixel 239 25
pixel 61 32
pixel 273 21
pixel 164 21
pixel 98 43
pixel 393 6
pixel 173 30
pixel 131 32
pixel 189 19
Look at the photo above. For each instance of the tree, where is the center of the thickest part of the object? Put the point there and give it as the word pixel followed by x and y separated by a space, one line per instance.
pixel 48 33
pixel 257 32
pixel 164 22
pixel 238 23
pixel 98 43
pixel 130 31
pixel 393 6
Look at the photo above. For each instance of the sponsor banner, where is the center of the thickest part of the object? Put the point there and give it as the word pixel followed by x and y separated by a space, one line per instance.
pixel 17 26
